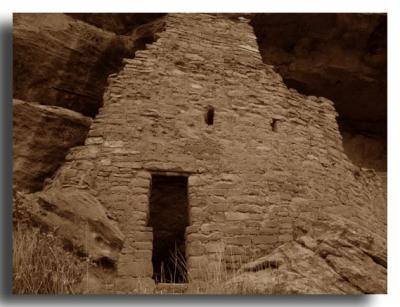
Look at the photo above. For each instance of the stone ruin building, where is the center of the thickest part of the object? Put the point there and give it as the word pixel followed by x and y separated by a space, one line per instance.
pixel 200 150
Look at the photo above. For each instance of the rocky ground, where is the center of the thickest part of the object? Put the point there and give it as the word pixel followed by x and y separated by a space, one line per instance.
pixel 334 257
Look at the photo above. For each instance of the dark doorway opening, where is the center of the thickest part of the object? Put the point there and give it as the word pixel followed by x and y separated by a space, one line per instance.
pixel 169 219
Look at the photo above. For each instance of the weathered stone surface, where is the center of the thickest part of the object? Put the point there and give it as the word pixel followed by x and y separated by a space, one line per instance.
pixel 60 60
pixel 80 220
pixel 303 273
pixel 339 56
pixel 119 23
pixel 63 61
pixel 130 285
pixel 366 151
pixel 335 256
pixel 41 137
pixel 135 269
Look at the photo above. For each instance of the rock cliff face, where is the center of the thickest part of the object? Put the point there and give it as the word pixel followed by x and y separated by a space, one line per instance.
pixel 341 57
pixel 42 135
pixel 63 63
pixel 129 24
pixel 60 70
pixel 64 60
pixel 338 56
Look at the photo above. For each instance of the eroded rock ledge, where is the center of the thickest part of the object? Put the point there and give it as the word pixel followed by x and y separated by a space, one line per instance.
pixel 64 60
pixel 79 220
pixel 61 60
pixel 42 135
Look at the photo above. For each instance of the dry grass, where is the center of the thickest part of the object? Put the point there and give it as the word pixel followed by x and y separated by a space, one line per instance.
pixel 217 278
pixel 41 265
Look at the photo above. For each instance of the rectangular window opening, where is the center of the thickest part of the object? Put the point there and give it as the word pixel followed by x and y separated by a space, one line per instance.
pixel 169 219
pixel 210 116
pixel 274 125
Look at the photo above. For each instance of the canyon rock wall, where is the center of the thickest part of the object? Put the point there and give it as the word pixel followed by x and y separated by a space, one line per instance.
pixel 338 56
pixel 342 57
pixel 62 61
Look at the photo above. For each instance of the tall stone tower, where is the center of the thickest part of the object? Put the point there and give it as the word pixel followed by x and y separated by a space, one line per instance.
pixel 202 154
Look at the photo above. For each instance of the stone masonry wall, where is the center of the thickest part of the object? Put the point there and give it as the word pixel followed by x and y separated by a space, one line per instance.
pixel 271 158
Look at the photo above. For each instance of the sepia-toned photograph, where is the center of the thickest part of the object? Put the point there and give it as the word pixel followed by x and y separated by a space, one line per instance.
pixel 199 153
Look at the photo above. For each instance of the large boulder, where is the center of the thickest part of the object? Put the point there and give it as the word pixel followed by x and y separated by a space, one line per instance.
pixel 80 220
pixel 41 138
pixel 334 257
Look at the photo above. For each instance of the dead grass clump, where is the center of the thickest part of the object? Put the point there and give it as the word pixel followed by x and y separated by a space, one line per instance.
pixel 41 265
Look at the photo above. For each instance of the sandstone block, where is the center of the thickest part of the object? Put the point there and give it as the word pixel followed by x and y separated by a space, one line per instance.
pixel 135 269
pixel 129 285
pixel 248 208
pixel 285 237
pixel 113 144
pixel 236 216
pixel 264 239
pixel 194 249
pixel 142 245
pixel 83 152
pixel 94 140
pixel 140 236
pixel 197 262
pixel 214 247
pixel 238 240
pixel 194 57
